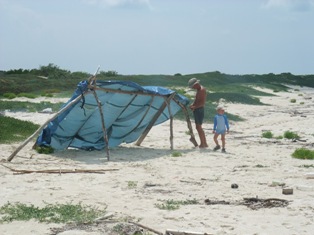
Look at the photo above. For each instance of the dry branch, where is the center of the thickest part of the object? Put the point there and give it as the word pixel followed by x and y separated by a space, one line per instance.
pixel 177 232
pixel 253 203
pixel 60 171
pixel 147 228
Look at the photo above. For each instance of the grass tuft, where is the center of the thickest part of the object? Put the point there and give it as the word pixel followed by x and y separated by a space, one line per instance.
pixel 303 153
pixel 132 184
pixel 267 134
pixel 9 95
pixel 174 204
pixel 44 149
pixel 176 154
pixel 27 95
pixel 291 135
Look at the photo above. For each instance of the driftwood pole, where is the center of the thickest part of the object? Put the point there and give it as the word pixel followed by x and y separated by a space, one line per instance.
pixel 188 121
pixel 43 126
pixel 171 125
pixel 92 86
pixel 102 123
pixel 152 122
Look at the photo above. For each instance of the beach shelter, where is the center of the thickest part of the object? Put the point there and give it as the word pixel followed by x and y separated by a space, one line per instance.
pixel 104 114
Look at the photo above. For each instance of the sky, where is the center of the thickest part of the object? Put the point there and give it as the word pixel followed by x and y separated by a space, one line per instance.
pixel 159 36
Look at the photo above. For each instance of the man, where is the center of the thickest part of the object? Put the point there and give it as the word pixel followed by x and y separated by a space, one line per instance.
pixel 198 109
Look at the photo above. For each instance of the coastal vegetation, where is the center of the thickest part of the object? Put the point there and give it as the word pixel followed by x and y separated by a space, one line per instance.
pixel 52 81
pixel 50 213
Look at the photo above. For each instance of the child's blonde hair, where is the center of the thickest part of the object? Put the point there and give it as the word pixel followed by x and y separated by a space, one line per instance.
pixel 219 108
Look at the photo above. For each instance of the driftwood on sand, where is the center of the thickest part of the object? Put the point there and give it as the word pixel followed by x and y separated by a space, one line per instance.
pixel 253 202
pixel 178 232
pixel 60 171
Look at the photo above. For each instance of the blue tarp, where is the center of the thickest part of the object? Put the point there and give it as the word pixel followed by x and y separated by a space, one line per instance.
pixel 126 115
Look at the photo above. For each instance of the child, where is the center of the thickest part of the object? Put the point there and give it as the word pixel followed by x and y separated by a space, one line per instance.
pixel 221 127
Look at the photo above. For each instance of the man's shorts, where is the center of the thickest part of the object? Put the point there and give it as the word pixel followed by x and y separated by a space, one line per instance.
pixel 199 115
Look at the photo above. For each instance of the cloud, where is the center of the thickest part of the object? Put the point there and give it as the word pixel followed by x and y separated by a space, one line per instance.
pixel 293 5
pixel 120 3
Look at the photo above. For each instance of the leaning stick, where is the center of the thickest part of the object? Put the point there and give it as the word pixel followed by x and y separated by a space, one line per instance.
pixel 43 126
pixel 188 121
pixel 154 119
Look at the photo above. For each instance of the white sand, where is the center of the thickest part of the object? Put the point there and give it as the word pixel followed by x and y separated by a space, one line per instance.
pixel 197 174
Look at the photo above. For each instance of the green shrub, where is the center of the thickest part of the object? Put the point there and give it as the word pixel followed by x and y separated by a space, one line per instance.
pixel 27 95
pixel 44 149
pixel 293 100
pixel 176 154
pixel 303 153
pixel 9 95
pixel 291 135
pixel 132 184
pixel 267 134
pixel 47 95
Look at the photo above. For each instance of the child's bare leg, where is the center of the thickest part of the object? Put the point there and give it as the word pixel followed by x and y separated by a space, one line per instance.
pixel 216 139
pixel 223 140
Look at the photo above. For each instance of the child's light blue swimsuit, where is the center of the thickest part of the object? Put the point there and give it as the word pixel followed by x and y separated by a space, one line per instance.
pixel 221 124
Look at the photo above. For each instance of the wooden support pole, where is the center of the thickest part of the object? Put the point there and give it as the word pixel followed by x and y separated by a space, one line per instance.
pixel 92 79
pixel 171 133
pixel 188 121
pixel 102 124
pixel 152 122
pixel 171 126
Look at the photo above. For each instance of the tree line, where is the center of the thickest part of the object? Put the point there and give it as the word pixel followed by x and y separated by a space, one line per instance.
pixel 53 71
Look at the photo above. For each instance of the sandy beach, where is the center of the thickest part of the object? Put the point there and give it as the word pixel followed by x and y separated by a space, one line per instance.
pixel 259 166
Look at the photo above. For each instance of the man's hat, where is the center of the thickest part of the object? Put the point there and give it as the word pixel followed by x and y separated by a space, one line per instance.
pixel 192 82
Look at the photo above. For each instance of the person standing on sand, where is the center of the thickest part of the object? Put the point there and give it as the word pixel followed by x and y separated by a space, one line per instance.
pixel 198 109
pixel 221 127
